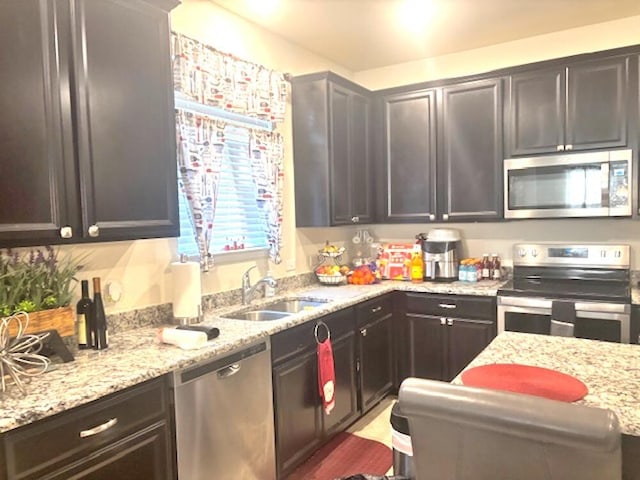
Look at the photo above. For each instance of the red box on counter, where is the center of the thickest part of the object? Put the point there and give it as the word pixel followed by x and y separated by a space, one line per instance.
pixel 394 261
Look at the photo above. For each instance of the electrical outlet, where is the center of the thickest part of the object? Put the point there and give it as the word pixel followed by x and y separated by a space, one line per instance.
pixel 291 265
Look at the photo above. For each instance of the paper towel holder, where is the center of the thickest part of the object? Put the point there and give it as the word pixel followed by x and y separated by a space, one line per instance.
pixel 190 320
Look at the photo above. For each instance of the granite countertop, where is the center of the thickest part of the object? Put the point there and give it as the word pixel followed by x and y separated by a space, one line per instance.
pixel 134 356
pixel 611 371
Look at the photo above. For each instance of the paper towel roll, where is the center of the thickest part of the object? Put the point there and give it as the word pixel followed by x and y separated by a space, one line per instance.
pixel 186 289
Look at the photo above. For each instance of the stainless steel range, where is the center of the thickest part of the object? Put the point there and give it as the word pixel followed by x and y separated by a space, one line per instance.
pixel 571 290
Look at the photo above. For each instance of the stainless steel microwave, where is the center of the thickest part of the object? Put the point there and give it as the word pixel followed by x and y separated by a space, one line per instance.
pixel 593 184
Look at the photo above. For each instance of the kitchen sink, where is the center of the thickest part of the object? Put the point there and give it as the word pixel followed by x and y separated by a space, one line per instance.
pixel 293 305
pixel 258 315
pixel 276 310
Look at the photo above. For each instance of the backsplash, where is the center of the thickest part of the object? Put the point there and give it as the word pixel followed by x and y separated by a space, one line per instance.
pixel 162 314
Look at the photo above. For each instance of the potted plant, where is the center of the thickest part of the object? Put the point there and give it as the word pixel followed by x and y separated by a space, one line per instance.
pixel 41 284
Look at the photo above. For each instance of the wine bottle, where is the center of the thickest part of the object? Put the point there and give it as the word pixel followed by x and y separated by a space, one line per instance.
pixel 84 316
pixel 99 317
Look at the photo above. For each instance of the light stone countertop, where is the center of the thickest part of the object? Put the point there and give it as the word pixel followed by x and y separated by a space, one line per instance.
pixel 611 371
pixel 134 356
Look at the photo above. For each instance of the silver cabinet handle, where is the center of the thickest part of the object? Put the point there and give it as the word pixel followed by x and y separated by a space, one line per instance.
pixel 94 230
pixel 66 232
pixel 568 147
pixel 449 321
pixel 363 332
pixel 560 148
pixel 355 219
pixel 446 305
pixel 432 217
pixel 376 309
pixel 445 216
pixel 443 321
pixel 99 429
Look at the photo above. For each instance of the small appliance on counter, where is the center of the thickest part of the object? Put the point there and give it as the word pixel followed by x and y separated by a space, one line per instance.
pixel 440 249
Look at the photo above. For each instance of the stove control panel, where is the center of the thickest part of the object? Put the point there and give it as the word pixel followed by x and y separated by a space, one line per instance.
pixel 609 256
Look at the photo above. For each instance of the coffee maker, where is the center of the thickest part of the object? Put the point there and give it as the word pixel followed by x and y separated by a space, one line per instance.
pixel 440 254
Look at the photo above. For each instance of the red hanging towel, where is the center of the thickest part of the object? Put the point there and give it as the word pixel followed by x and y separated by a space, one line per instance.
pixel 326 375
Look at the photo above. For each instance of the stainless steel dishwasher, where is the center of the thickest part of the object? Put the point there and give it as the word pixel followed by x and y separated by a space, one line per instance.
pixel 224 417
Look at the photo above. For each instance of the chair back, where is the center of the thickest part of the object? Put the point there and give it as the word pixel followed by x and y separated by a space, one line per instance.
pixel 468 433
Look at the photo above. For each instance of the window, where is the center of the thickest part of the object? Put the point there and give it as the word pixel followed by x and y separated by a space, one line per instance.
pixel 239 216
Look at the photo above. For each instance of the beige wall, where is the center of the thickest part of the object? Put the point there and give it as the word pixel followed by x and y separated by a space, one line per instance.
pixel 602 36
pixel 142 267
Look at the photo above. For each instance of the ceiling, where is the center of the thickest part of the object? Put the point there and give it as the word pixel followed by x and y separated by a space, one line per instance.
pixel 364 34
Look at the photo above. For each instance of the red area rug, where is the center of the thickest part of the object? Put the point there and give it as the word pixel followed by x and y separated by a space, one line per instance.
pixel 345 454
pixel 538 381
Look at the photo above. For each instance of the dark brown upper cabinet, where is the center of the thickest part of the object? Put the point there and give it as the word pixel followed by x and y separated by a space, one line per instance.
pixel 581 106
pixel 331 150
pixel 470 153
pixel 87 129
pixel 408 160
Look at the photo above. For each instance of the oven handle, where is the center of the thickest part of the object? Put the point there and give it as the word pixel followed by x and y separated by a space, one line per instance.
pixel 582 307
pixel 605 184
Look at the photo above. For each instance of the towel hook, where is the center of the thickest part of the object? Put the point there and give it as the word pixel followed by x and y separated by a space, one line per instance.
pixel 315 331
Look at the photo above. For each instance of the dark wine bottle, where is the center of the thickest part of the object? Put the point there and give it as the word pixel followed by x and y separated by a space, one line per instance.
pixel 84 315
pixel 99 317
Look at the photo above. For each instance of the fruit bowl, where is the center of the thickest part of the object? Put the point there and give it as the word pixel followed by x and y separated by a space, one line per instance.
pixel 331 279
pixel 333 253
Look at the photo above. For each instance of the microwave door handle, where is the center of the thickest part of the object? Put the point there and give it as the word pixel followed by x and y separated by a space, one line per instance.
pixel 605 184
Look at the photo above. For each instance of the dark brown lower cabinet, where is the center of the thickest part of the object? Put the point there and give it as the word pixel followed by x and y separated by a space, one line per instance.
pixel 375 350
pixel 298 420
pixel 301 424
pixel 438 335
pixel 126 435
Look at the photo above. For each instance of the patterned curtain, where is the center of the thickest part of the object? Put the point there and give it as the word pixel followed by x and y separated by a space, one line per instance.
pixel 210 77
pixel 200 145
pixel 217 79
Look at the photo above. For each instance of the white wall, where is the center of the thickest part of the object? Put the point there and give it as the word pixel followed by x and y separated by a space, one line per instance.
pixel 142 267
pixel 601 36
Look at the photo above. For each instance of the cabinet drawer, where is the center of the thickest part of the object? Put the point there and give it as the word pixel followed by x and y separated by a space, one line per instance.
pixel 68 436
pixel 374 309
pixel 456 306
pixel 302 337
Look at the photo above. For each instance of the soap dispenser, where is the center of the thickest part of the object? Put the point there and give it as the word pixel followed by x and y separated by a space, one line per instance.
pixel 269 285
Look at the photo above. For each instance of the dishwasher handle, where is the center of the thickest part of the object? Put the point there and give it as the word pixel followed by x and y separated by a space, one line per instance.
pixel 229 371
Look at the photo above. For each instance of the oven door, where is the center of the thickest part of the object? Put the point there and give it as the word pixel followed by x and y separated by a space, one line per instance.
pixel 595 320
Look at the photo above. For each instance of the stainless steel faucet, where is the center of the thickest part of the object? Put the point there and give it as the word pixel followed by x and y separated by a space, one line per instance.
pixel 248 290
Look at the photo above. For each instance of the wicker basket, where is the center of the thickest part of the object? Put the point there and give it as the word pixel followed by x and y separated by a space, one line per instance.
pixel 60 319
pixel 331 279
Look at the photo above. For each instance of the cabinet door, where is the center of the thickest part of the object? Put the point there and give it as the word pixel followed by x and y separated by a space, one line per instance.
pixel 470 186
pixel 597 104
pixel 375 361
pixel 426 350
pixel 35 148
pixel 346 391
pixel 465 340
pixel 145 455
pixel 126 123
pixel 297 411
pixel 537 112
pixel 339 155
pixel 361 176
pixel 409 156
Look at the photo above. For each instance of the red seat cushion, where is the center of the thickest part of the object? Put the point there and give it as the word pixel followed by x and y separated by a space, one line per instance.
pixel 527 379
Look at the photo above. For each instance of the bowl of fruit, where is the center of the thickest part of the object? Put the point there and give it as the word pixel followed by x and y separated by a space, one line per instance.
pixel 332 274
pixel 364 275
pixel 330 250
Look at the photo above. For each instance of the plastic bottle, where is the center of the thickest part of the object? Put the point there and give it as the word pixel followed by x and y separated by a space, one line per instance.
pixel 496 272
pixel 417 264
pixel 269 288
pixel 462 271
pixel 486 267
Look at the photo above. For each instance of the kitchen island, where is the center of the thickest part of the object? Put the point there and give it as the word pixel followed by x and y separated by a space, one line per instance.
pixel 611 372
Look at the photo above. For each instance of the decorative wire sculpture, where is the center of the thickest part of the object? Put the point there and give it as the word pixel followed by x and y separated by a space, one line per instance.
pixel 19 355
